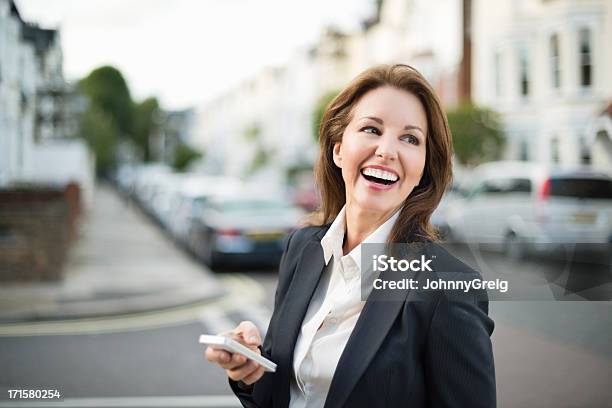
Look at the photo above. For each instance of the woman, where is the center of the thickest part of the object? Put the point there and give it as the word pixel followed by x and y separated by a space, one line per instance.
pixel 384 164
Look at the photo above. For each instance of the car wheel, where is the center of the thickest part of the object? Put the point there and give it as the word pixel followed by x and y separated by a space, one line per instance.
pixel 514 247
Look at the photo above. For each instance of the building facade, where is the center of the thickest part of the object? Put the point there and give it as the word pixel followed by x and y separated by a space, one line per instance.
pixel 546 67
pixel 38 109
pixel 269 118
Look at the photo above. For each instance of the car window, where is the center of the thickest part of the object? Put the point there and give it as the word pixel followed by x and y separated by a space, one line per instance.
pixel 506 186
pixel 581 188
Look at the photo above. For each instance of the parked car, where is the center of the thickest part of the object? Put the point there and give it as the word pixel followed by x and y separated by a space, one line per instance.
pixel 439 216
pixel 189 200
pixel 522 207
pixel 243 229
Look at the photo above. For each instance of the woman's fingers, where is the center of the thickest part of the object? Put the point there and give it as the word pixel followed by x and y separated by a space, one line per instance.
pixel 248 334
pixel 224 359
pixel 237 366
pixel 254 376
pixel 242 372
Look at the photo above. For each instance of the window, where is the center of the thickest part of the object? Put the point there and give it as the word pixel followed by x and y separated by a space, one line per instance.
pixel 497 73
pixel 524 150
pixel 524 71
pixel 585 58
pixel 555 62
pixel 585 151
pixel 506 186
pixel 581 187
pixel 554 150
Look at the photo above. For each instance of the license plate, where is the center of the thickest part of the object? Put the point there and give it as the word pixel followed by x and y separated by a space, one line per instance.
pixel 584 218
pixel 265 235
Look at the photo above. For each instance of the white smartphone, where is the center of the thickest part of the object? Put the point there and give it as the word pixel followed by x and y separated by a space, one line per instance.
pixel 231 345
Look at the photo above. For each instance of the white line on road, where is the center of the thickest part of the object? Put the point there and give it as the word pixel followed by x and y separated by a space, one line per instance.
pixel 216 401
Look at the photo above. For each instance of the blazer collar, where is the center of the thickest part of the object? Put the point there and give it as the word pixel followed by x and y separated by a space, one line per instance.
pixel 371 329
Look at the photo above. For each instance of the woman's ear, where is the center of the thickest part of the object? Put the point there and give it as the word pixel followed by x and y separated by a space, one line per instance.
pixel 336 154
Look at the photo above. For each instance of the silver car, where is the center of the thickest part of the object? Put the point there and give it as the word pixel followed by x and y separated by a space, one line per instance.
pixel 525 207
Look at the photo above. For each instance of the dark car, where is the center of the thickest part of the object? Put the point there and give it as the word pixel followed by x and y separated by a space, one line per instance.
pixel 242 230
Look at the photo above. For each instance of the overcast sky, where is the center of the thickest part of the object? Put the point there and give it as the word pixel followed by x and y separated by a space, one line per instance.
pixel 186 51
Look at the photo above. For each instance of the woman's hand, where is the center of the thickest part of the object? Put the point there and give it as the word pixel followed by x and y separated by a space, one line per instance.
pixel 237 366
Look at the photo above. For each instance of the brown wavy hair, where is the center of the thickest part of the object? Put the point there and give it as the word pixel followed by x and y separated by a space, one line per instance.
pixel 413 224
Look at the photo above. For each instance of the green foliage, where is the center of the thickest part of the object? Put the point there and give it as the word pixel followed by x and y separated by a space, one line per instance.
pixel 101 133
pixel 260 160
pixel 477 134
pixel 252 133
pixel 108 116
pixel 108 92
pixel 293 171
pixel 144 124
pixel 184 155
pixel 319 109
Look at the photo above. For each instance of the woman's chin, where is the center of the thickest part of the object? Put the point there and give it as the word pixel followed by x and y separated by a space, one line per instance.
pixel 376 204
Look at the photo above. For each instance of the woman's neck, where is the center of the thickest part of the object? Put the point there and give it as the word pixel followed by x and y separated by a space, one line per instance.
pixel 360 224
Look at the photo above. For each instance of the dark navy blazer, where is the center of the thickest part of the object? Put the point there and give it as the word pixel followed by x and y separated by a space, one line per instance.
pixel 430 353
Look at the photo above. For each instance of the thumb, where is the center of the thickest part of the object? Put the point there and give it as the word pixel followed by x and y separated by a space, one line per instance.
pixel 250 333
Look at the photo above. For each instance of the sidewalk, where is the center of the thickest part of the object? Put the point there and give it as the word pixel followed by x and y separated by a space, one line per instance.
pixel 121 264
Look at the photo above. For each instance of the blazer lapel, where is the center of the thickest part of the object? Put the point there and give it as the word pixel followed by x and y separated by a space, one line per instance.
pixel 372 327
pixel 294 309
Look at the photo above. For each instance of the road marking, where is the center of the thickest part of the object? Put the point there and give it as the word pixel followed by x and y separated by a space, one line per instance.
pixel 242 292
pixel 216 401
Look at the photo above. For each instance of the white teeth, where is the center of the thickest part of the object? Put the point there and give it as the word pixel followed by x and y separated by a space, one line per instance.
pixel 381 174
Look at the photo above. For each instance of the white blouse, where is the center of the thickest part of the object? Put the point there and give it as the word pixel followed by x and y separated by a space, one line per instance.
pixel 331 317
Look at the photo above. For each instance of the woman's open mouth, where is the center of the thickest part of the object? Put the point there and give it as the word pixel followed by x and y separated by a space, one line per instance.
pixel 379 176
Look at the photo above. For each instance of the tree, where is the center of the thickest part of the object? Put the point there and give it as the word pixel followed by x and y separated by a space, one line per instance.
pixel 477 134
pixel 144 124
pixel 100 132
pixel 107 90
pixel 108 118
pixel 184 155
pixel 319 109
pixel 262 155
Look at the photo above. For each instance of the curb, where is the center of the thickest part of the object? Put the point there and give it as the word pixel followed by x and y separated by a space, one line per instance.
pixel 81 309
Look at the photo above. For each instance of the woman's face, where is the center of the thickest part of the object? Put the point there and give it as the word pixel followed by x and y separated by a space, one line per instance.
pixel 382 153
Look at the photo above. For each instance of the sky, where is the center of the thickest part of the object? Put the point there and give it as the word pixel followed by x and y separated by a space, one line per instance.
pixel 187 51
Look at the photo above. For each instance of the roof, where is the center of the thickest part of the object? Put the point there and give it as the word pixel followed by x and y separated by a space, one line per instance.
pixel 42 38
pixel 15 10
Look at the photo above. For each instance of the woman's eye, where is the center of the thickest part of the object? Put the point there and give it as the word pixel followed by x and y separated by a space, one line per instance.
pixel 411 139
pixel 370 129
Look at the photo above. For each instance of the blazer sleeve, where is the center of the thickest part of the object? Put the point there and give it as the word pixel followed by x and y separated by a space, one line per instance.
pixel 459 359
pixel 241 390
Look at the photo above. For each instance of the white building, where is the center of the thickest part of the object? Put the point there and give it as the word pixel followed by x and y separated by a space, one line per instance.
pixel 36 108
pixel 269 117
pixel 422 33
pixel 546 66
pixel 18 82
pixel 277 104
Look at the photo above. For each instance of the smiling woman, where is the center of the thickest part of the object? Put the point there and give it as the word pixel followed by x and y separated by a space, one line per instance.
pixel 384 164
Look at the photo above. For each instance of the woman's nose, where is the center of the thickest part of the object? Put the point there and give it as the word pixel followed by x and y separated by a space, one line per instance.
pixel 386 149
